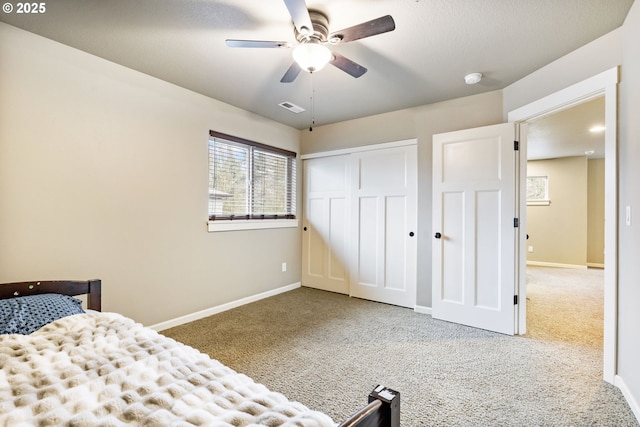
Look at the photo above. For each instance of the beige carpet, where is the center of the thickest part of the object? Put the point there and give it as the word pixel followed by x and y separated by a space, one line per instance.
pixel 328 351
pixel 566 305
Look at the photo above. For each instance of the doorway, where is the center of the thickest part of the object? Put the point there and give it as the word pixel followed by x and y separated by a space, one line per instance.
pixel 565 225
pixel 602 84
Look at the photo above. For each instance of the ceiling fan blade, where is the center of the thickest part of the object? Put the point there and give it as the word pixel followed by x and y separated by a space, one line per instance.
pixel 291 73
pixel 347 65
pixel 366 29
pixel 300 16
pixel 257 43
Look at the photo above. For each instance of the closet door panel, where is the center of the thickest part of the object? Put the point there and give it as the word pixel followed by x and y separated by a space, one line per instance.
pixel 384 236
pixel 325 232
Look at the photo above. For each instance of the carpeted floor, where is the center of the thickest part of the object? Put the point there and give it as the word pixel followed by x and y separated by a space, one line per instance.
pixel 566 305
pixel 328 351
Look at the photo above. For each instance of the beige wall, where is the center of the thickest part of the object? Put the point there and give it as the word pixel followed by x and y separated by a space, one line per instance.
pixel 103 174
pixel 559 232
pixel 595 213
pixel 629 195
pixel 421 123
pixel 591 59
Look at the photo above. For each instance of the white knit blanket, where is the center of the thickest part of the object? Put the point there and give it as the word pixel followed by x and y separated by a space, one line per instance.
pixel 103 369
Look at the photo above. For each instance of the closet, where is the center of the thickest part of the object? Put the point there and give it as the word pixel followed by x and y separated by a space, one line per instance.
pixel 359 222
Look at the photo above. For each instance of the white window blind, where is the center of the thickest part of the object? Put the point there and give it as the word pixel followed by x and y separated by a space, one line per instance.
pixel 249 180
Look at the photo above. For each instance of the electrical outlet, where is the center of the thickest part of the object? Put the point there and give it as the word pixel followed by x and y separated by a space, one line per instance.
pixel 284 267
pixel 530 249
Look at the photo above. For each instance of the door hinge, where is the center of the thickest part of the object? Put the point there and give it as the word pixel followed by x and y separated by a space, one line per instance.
pixel 516 145
pixel 515 300
pixel 516 222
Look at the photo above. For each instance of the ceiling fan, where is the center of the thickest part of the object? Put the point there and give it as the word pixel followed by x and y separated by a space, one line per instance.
pixel 312 33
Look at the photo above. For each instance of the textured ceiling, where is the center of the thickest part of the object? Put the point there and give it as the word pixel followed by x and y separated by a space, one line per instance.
pixel 436 42
pixel 568 132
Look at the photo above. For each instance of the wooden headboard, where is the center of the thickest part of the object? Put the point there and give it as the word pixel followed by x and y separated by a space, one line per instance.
pixel 91 288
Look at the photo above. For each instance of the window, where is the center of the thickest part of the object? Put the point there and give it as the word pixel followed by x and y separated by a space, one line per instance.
pixel 538 190
pixel 250 181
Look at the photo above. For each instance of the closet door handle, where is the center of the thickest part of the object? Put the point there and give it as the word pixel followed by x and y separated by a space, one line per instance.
pixel 411 234
pixel 305 228
pixel 437 235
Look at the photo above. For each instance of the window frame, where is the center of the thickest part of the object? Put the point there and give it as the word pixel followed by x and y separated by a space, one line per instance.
pixel 258 221
pixel 544 199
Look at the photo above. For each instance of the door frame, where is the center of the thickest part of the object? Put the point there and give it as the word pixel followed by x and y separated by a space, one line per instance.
pixel 605 83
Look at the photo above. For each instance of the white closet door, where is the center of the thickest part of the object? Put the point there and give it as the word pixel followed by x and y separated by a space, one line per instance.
pixel 324 236
pixel 384 218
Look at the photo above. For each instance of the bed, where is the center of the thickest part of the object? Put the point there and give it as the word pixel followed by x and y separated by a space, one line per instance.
pixel 63 365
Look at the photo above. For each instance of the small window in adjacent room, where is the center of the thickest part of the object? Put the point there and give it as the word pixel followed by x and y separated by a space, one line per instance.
pixel 251 185
pixel 538 191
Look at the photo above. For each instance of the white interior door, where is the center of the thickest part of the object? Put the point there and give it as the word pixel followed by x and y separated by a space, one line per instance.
pixel 475 238
pixel 325 232
pixel 384 219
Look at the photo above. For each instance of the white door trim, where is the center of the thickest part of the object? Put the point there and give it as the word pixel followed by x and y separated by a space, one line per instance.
pixel 605 83
pixel 381 146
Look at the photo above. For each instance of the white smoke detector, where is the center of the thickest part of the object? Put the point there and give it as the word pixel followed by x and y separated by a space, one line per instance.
pixel 472 78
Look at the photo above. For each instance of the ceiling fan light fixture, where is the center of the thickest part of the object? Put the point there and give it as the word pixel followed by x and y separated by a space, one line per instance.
pixel 311 56
pixel 473 78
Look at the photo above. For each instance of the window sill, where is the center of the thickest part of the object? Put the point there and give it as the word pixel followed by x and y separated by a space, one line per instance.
pixel 250 224
pixel 538 202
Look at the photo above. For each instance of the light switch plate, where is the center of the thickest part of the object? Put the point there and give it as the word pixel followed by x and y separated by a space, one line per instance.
pixel 628 215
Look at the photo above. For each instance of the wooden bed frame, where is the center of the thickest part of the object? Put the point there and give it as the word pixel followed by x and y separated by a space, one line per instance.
pixel 383 409
pixel 91 288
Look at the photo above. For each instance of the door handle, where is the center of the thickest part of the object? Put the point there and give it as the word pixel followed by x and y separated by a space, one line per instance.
pixel 411 234
pixel 305 228
pixel 437 235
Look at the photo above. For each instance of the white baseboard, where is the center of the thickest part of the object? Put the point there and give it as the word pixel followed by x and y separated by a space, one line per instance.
pixel 595 265
pixel 633 403
pixel 555 264
pixel 220 308
pixel 422 309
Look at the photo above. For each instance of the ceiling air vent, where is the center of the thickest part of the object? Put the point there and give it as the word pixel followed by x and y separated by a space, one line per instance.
pixel 291 107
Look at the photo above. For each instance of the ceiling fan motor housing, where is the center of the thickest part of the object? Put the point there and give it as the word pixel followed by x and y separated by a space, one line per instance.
pixel 320 28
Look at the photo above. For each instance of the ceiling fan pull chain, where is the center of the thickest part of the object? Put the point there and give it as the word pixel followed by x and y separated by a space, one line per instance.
pixel 313 107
